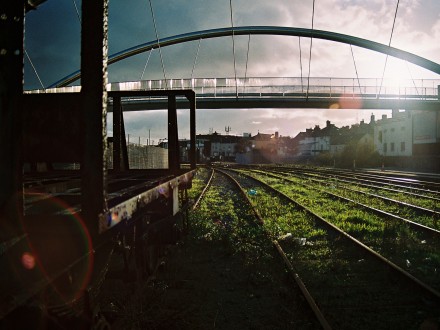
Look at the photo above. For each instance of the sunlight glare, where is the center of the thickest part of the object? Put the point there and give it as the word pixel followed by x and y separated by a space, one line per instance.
pixel 28 260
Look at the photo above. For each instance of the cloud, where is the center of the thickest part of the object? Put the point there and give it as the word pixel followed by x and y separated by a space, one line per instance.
pixel 53 42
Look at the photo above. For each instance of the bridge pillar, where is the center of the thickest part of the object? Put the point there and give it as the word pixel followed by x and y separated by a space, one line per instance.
pixel 11 104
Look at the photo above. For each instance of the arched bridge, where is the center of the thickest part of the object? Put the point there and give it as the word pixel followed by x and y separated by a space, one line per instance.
pixel 281 92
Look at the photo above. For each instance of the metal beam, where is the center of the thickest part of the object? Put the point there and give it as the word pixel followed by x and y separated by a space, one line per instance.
pixel 262 30
pixel 11 105
pixel 289 103
pixel 173 137
pixel 94 110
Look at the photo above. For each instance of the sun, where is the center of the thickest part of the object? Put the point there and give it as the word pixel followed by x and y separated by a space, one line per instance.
pixel 396 76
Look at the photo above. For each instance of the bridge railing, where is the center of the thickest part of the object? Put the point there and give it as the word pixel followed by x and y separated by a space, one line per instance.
pixel 294 87
pixel 419 89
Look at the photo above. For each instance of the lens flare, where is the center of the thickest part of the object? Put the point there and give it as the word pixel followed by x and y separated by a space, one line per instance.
pixel 60 241
pixel 28 260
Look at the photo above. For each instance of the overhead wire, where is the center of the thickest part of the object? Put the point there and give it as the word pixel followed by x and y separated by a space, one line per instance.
pixel 35 70
pixel 195 59
pixel 310 52
pixel 158 44
pixel 233 48
pixel 389 44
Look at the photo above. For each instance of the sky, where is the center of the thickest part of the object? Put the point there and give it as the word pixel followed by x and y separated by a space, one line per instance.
pixel 52 42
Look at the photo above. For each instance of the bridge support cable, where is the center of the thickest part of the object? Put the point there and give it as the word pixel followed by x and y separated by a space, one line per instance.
pixel 33 67
pixel 247 60
pixel 77 11
pixel 414 83
pixel 195 59
pixel 300 64
pixel 355 69
pixel 389 45
pixel 310 52
pixel 158 44
pixel 233 48
pixel 146 64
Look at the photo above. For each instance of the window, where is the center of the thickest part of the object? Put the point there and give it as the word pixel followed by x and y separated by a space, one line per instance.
pixel 380 136
pixel 402 146
pixel 384 147
pixel 392 146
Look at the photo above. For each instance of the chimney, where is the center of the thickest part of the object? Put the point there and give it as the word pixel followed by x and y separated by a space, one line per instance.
pixel 384 117
pixel 372 119
pixel 328 123
pixel 276 135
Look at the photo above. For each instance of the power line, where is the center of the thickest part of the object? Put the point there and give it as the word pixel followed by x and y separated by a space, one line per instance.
pixel 158 44
pixel 233 47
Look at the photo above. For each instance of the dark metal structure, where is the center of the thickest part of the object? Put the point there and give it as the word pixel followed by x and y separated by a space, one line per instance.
pixel 59 227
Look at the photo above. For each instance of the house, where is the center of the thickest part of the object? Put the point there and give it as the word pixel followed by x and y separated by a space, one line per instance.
pixel 393 136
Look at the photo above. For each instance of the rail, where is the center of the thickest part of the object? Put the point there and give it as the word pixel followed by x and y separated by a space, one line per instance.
pixel 284 87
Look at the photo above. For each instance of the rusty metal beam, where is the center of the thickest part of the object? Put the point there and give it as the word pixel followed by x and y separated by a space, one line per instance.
pixel 94 110
pixel 173 138
pixel 117 133
pixel 192 128
pixel 11 99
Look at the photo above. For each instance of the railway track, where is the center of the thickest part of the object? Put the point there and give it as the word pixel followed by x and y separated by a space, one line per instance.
pixel 428 190
pixel 417 208
pixel 350 286
pixel 408 244
pixel 234 223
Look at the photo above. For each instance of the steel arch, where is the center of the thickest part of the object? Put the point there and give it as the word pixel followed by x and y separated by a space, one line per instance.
pixel 262 30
